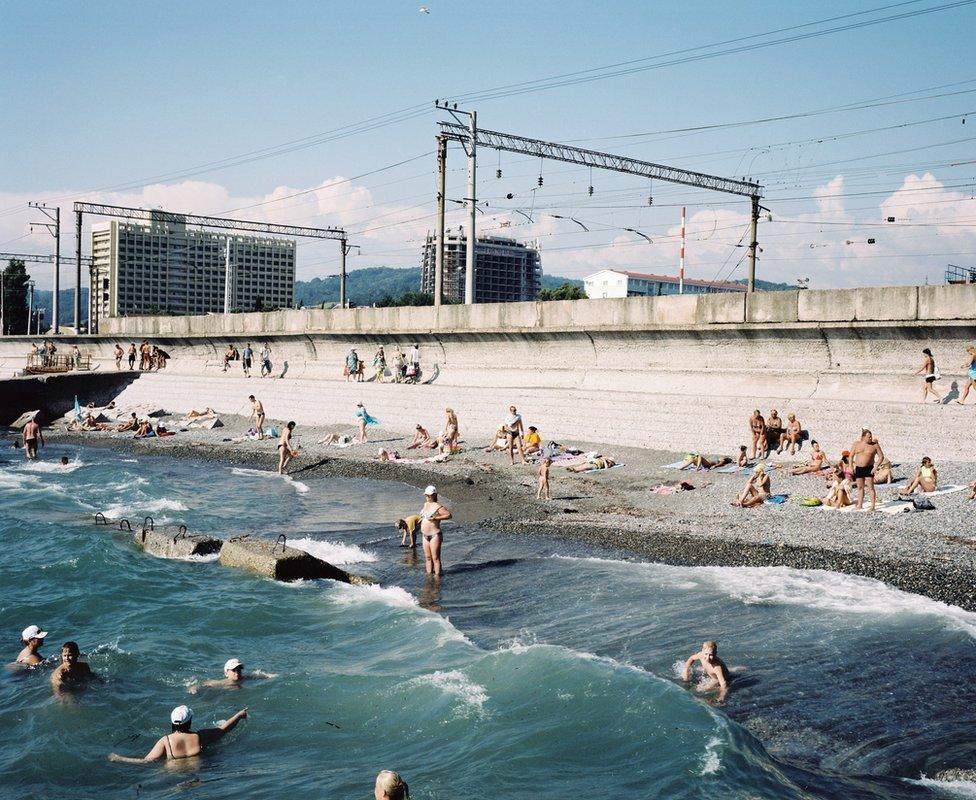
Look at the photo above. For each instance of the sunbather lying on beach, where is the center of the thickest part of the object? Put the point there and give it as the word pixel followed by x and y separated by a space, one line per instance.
pixel 698 461
pixel 595 461
pixel 387 455
pixel 756 491
pixel 817 462
pixel 207 412
pixel 926 478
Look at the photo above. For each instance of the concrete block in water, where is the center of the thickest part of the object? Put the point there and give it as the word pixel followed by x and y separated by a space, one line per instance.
pixel 175 543
pixel 278 561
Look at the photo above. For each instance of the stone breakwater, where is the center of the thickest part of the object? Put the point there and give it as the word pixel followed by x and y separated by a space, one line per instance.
pixel 671 373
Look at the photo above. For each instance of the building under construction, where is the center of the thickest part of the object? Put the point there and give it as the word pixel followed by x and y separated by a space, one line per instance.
pixel 506 271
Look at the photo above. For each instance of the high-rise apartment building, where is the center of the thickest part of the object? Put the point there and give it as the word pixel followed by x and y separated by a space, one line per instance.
pixel 164 267
pixel 506 271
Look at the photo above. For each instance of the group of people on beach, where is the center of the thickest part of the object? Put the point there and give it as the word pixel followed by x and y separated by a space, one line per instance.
pixel 402 368
pixel 246 357
pixel 150 356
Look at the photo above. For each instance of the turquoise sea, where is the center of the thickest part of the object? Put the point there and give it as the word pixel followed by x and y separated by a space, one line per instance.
pixel 536 668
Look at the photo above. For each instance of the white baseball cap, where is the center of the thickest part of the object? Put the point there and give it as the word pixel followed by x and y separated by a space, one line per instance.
pixel 233 663
pixel 32 632
pixel 181 715
pixel 430 489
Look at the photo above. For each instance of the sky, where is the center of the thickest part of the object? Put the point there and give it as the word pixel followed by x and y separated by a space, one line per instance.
pixel 321 114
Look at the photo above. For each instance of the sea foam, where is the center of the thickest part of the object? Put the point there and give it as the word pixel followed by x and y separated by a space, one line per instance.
pixel 333 552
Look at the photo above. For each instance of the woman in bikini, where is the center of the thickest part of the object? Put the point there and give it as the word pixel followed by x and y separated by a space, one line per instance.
pixel 931 373
pixel 183 742
pixel 758 427
pixel 285 453
pixel 431 517
pixel 818 460
pixel 971 375
pixel 926 478
pixel 756 491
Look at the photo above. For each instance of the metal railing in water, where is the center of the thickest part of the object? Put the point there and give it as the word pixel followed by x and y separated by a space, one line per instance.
pixel 43 363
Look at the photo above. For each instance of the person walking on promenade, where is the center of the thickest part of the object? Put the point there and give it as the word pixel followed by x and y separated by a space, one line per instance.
pixel 266 361
pixel 352 365
pixel 970 368
pixel 132 356
pixel 515 430
pixel 757 425
pixel 399 366
pixel 257 414
pixel 119 355
pixel 285 453
pixel 431 517
pixel 414 363
pixel 183 742
pixel 932 374
pixel 247 358
pixel 864 452
pixel 379 364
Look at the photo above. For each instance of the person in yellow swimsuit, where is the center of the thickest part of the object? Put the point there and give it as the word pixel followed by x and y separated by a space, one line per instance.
pixel 533 442
pixel 926 478
pixel 408 526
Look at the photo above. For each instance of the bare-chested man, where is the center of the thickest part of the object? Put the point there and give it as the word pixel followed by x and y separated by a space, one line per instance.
pixel 32 435
pixel 257 412
pixel 713 667
pixel 864 452
pixel 71 672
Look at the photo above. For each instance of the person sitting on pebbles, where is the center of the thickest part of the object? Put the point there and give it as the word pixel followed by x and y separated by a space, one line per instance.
pixel 757 489
pixel 926 478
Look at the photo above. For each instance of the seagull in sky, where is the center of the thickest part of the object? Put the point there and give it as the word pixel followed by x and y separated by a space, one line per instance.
pixel 424 10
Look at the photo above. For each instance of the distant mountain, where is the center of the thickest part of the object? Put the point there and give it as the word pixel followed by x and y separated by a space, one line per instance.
pixel 367 286
pixel 767 286
pixel 66 305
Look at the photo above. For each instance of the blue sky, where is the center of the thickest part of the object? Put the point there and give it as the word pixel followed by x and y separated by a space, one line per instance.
pixel 103 94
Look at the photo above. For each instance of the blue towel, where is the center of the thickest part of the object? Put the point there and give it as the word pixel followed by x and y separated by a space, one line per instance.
pixel 777 499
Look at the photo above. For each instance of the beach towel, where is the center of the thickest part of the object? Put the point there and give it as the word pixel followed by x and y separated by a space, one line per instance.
pixel 675 465
pixel 367 418
pixel 777 499
pixel 601 469
pixel 947 489
pixel 731 469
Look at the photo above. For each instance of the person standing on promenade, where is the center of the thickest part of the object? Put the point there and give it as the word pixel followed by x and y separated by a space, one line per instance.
pixel 515 429
pixel 379 364
pixel 119 355
pixel 247 358
pixel 864 452
pixel 285 453
pixel 71 672
pixel 758 427
pixel 431 517
pixel 183 742
pixel 970 368
pixel 352 364
pixel 266 361
pixel 414 359
pixel 32 638
pixel 32 435
pixel 132 356
pixel 931 373
pixel 399 366
pixel 257 414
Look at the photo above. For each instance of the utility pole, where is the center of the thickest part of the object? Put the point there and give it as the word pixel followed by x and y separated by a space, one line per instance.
pixel 345 249
pixel 469 260
pixel 93 290
pixel 30 305
pixel 439 247
pixel 753 242
pixel 228 279
pixel 54 228
pixel 681 259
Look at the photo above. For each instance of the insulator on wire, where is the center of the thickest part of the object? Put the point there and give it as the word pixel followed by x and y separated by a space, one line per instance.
pixel 650 200
pixel 540 180
pixel 590 191
pixel 498 173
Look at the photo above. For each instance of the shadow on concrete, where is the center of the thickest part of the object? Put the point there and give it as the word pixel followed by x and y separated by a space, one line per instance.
pixel 54 395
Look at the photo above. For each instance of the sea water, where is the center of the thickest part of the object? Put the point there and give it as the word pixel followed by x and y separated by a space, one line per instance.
pixel 536 668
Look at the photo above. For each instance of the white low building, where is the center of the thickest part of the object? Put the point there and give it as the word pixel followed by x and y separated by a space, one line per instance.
pixel 623 283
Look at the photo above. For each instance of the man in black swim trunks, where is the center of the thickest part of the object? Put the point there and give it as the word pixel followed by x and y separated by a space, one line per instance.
pixel 864 452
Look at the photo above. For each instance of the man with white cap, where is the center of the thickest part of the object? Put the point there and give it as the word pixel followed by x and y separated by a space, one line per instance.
pixel 33 638
pixel 233 676
pixel 183 742
pixel 431 516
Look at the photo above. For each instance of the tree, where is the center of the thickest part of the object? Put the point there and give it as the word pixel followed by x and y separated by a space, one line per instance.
pixel 15 280
pixel 565 292
pixel 406 299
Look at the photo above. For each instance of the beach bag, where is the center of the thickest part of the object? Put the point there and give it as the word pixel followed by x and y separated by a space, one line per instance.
pixel 411 371
pixel 274 431
pixel 922 504
pixel 811 502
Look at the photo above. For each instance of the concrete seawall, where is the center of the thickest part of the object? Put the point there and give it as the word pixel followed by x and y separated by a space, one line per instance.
pixel 54 395
pixel 668 372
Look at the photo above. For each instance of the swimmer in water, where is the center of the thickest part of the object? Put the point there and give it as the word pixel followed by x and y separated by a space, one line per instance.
pixel 71 672
pixel 390 786
pixel 33 639
pixel 234 675
pixel 183 742
pixel 64 461
pixel 431 517
pixel 713 667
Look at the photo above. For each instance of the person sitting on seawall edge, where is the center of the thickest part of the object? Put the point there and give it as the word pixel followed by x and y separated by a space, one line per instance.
pixel 926 478
pixel 390 786
pixel 183 742
pixel 713 667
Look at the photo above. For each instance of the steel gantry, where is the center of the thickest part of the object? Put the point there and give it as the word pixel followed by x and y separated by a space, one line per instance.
pixel 226 223
pixel 472 137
